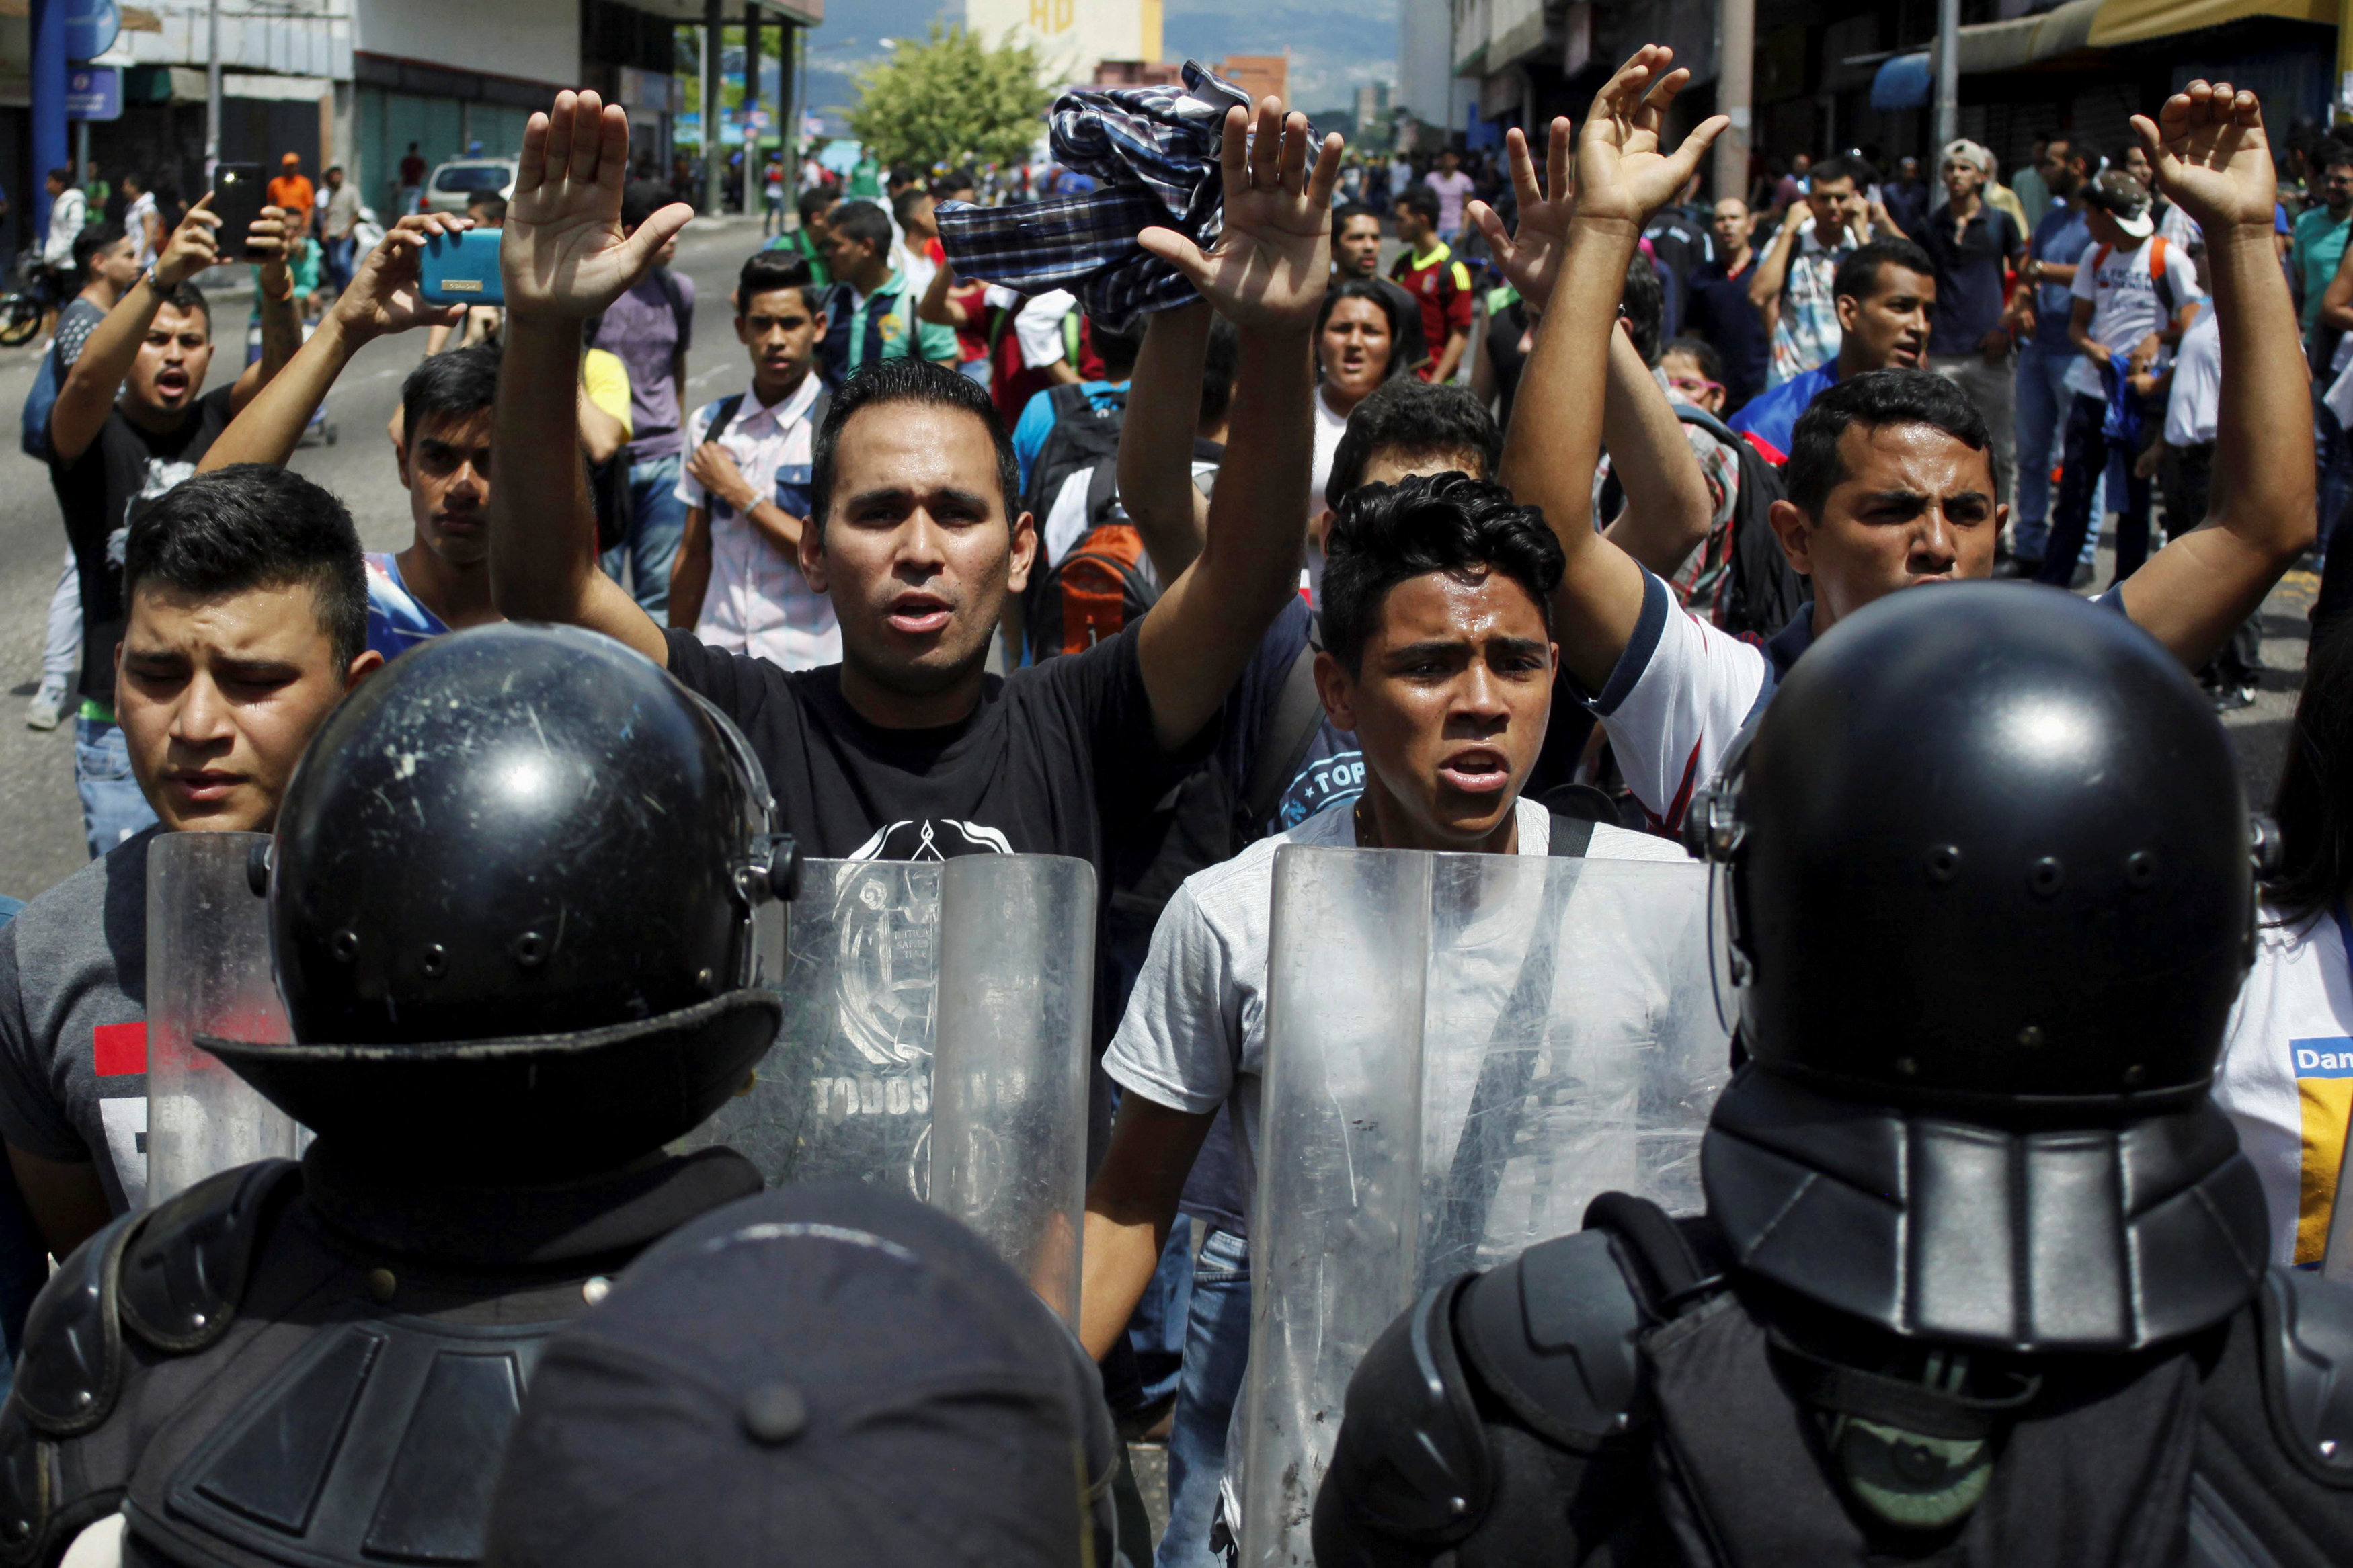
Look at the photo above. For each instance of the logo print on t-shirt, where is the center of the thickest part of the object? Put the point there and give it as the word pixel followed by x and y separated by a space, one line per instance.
pixel 934 838
pixel 2324 1092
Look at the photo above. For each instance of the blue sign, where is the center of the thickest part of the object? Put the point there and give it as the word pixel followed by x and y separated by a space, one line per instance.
pixel 94 93
pixel 90 28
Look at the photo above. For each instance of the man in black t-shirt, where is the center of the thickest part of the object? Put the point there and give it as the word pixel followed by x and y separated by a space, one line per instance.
pixel 108 455
pixel 908 749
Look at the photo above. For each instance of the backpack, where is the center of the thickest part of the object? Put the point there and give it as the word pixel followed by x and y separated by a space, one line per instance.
pixel 1757 591
pixel 33 437
pixel 1100 586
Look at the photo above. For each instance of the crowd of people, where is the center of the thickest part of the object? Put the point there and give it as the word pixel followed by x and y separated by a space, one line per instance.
pixel 1518 545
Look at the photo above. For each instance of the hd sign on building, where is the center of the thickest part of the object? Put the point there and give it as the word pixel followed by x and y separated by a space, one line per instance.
pixel 1072 37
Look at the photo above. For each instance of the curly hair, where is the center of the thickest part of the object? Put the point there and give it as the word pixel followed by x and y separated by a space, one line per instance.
pixel 1386 534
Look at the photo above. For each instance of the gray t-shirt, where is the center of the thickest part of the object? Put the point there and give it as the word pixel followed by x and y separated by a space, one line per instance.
pixel 73 1023
pixel 641 328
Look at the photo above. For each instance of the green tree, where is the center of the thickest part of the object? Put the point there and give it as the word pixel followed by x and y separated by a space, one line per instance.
pixel 952 100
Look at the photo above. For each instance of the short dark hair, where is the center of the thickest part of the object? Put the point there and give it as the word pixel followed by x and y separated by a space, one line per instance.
pixel 1413 418
pixel 2336 152
pixel 254 525
pixel 765 271
pixel 135 177
pixel 641 199
pixel 1374 292
pixel 93 239
pixel 1643 302
pixel 909 380
pixel 862 222
pixel 1348 213
pixel 491 205
pixel 814 201
pixel 1386 534
pixel 1857 277
pixel 1116 349
pixel 1845 166
pixel 62 176
pixel 907 201
pixel 1421 200
pixel 1702 352
pixel 1218 365
pixel 1874 399
pixel 453 385
pixel 189 300
pixel 955 179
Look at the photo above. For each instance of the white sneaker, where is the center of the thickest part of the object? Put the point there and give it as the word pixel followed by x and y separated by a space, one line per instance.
pixel 48 708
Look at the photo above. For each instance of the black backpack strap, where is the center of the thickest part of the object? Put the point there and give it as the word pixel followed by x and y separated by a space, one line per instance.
pixel 1103 492
pixel 1571 835
pixel 1282 742
pixel 723 417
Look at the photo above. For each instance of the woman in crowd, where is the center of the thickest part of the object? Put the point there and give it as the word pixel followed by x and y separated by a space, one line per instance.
pixel 1356 350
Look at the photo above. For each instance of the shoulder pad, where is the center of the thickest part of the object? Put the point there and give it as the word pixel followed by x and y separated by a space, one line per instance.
pixel 1411 1458
pixel 1552 1332
pixel 2308 1352
pixel 185 1271
pixel 71 1366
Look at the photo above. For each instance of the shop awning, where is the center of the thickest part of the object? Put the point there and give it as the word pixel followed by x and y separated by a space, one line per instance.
pixel 1907 82
pixel 2138 21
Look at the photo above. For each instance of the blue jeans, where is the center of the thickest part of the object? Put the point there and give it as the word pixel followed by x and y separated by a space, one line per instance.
pixel 980 370
pixel 336 254
pixel 2088 451
pixel 657 523
pixel 112 808
pixel 1216 1352
pixel 1155 1332
pixel 2042 403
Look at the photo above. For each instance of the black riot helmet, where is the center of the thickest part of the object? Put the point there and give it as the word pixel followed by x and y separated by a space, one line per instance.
pixel 512 896
pixel 1990 896
pixel 1988 848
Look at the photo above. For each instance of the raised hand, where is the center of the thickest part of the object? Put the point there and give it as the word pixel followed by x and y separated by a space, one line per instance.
pixel 1270 266
pixel 2211 157
pixel 191 247
pixel 1624 173
pixel 384 293
pixel 1530 259
pixel 564 253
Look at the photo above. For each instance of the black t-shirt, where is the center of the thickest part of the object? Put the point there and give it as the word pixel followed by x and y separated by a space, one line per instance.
pixel 96 491
pixel 1058 759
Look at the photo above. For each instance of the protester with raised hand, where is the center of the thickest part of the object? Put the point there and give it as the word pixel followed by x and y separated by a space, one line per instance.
pixel 907 746
pixel 1890 483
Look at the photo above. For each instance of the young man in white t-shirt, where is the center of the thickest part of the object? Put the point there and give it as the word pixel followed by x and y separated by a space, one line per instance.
pixel 1889 482
pixel 1438 654
pixel 2133 296
pixel 737 582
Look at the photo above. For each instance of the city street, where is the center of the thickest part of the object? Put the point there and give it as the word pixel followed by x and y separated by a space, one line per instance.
pixel 43 842
pixel 43 839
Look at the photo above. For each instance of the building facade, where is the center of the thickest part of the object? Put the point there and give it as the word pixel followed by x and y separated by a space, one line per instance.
pixel 1072 37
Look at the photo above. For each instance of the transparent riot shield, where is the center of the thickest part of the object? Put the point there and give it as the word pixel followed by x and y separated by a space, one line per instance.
pixel 935 1038
pixel 207 973
pixel 1462 1051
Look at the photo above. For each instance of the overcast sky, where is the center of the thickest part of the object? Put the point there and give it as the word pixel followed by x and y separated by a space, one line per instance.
pixel 1334 44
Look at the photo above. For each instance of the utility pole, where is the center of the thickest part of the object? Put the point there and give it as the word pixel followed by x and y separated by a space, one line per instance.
pixel 212 92
pixel 751 101
pixel 1736 77
pixel 1949 74
pixel 49 95
pixel 714 185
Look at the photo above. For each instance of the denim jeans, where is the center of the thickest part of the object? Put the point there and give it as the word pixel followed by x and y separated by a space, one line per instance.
pixel 657 523
pixel 2073 524
pixel 1156 1332
pixel 2042 401
pixel 112 808
pixel 1217 1352
pixel 337 256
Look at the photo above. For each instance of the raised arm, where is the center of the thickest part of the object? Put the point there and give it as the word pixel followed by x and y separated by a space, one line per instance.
pixel 938 305
pixel 383 297
pixel 281 315
pixel 563 259
pixel 1156 440
pixel 88 395
pixel 1773 268
pixel 1572 264
pixel 1267 275
pixel 1667 501
pixel 2214 162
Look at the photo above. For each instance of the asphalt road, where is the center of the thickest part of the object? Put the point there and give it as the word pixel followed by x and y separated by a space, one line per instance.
pixel 43 842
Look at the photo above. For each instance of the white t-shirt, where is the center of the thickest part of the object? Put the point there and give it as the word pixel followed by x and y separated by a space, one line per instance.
pixel 135 219
pixel 1038 327
pixel 1452 191
pixel 2128 301
pixel 757 602
pixel 1194 1035
pixel 2286 1077
pixel 2195 402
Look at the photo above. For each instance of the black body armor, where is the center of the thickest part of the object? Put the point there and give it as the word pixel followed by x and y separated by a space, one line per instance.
pixel 288 1365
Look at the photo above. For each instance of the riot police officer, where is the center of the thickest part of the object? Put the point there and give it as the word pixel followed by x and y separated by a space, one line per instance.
pixel 512 894
pixel 1981 1274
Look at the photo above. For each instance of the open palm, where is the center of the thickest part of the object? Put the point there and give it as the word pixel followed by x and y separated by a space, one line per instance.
pixel 1530 258
pixel 1624 172
pixel 1273 256
pixel 2211 157
pixel 564 251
